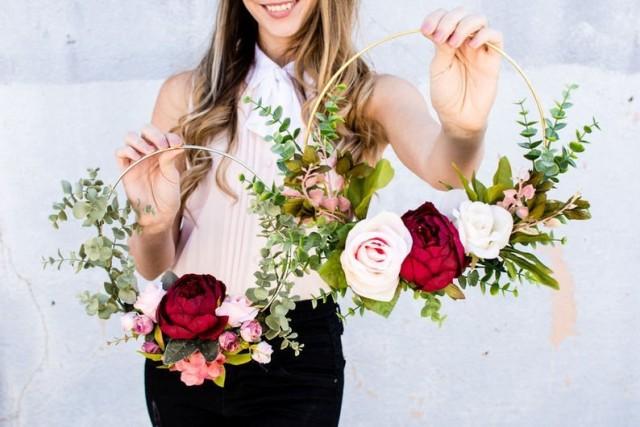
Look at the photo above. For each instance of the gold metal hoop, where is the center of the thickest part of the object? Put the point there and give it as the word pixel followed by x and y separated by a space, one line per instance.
pixel 330 84
pixel 182 147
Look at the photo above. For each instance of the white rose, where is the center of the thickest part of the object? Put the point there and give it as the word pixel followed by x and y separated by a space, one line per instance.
pixel 373 255
pixel 261 353
pixel 238 309
pixel 149 299
pixel 484 229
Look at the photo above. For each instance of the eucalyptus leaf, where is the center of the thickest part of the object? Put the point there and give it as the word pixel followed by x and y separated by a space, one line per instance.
pixel 177 350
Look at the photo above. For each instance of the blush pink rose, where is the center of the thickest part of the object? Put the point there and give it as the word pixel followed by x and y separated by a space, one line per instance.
pixel 142 325
pixel 237 309
pixel 373 254
pixel 251 331
pixel 229 341
pixel 150 347
pixel 149 299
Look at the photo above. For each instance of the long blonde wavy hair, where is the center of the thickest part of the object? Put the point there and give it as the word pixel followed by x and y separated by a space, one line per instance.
pixel 322 45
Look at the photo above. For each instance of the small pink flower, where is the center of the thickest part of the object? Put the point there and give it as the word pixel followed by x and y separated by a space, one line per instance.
pixel 344 204
pixel 310 181
pixel 522 212
pixel 238 309
pixel 229 341
pixel 128 321
pixel 528 191
pixel 150 347
pixel 149 299
pixel 509 198
pixel 251 331
pixel 143 325
pixel 193 369
pixel 316 196
pixel 329 203
pixel 216 368
pixel 290 192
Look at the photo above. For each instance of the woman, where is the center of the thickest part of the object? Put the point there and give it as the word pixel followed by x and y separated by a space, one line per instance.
pixel 283 52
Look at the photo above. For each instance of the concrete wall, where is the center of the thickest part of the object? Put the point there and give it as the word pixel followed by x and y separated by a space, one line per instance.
pixel 76 75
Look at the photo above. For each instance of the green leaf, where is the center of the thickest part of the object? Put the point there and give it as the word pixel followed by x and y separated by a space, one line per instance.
pixel 495 193
pixel 465 183
pixel 177 350
pixel 383 308
pixel 66 187
pixel 277 113
pixel 238 359
pixel 529 262
pixel 454 292
pixel 151 356
pixel 80 210
pixel 209 349
pixel 310 156
pixel 157 335
pixel 332 273
pixel 361 190
pixel 503 175
pixel 128 296
pixel 479 188
pixel 576 146
pixel 219 381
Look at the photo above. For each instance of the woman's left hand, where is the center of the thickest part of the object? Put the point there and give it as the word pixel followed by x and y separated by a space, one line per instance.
pixel 464 71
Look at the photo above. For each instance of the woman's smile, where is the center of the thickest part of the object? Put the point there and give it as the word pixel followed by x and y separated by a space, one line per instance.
pixel 280 10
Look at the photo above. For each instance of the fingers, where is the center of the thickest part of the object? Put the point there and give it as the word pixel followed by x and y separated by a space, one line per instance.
pixel 487 35
pixel 167 161
pixel 126 155
pixel 466 27
pixel 136 142
pixel 173 140
pixel 457 26
pixel 154 136
pixel 448 25
pixel 431 22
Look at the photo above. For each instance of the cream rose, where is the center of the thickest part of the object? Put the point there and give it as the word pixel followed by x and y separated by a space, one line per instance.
pixel 484 229
pixel 373 254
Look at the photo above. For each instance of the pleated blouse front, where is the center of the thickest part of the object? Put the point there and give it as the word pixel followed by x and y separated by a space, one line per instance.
pixel 220 237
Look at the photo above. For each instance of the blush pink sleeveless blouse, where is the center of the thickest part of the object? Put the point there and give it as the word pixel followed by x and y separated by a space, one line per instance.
pixel 220 236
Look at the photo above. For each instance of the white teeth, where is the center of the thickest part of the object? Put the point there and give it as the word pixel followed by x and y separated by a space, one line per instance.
pixel 280 7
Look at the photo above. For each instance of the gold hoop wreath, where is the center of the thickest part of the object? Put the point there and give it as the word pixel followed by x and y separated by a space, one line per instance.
pixel 323 93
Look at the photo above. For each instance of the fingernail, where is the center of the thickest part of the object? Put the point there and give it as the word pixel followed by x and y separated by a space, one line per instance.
pixel 437 36
pixel 453 41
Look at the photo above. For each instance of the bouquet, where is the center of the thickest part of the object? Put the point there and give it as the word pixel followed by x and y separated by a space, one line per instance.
pixel 188 324
pixel 487 242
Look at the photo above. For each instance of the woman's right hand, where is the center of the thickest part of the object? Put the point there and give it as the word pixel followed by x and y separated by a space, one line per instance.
pixel 155 182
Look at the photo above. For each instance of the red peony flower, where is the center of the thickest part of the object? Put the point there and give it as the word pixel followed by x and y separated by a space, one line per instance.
pixel 187 311
pixel 437 255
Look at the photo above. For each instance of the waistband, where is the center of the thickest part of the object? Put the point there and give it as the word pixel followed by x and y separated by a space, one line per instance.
pixel 305 311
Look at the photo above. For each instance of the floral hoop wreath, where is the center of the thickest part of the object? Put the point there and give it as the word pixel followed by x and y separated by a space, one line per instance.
pixel 317 220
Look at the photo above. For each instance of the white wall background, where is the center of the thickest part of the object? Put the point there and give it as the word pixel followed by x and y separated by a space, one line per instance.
pixel 76 75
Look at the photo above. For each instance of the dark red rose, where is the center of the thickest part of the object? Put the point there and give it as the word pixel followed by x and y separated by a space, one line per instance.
pixel 437 255
pixel 187 311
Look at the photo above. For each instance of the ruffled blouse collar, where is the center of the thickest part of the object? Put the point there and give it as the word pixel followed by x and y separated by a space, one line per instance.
pixel 275 86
